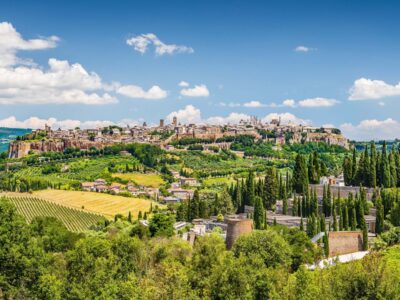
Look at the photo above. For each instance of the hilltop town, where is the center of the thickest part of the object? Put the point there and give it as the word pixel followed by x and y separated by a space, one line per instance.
pixel 164 134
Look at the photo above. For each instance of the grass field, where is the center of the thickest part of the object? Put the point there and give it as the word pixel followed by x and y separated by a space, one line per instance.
pixel 105 204
pixel 149 180
pixel 74 219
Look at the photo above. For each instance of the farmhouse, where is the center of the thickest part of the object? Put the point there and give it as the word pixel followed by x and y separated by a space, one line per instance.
pixel 182 193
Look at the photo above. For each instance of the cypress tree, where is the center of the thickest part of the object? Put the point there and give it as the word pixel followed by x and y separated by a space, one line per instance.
pixel 129 217
pixel 322 224
pixel 372 166
pixel 366 167
pixel 194 206
pixel 379 216
pixel 300 175
pixel 385 168
pixel 140 215
pixel 238 197
pixel 397 160
pixel 311 169
pixel 354 167
pixel 271 188
pixel 304 206
pixel 324 200
pixel 392 167
pixel 346 218
pixel 353 219
pixel 365 238
pixel 326 244
pixel 347 170
pixel 285 204
pixel 378 169
pixel 250 193
pixel 328 201
pixel 203 209
pixel 363 200
pixel 301 224
pixel 395 214
pixel 335 223
pixel 259 213
pixel 288 183
pixel 295 206
pixel 359 177
pixel 314 203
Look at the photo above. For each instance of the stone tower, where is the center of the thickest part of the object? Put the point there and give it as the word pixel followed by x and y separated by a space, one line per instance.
pixel 236 228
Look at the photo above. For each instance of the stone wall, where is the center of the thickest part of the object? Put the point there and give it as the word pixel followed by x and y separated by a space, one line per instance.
pixel 343 242
pixel 344 190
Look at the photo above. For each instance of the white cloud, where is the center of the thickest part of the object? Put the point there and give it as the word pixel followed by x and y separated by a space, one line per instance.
pixel 372 129
pixel 134 91
pixel 253 104
pixel 286 118
pixel 183 84
pixel 61 83
pixel 289 103
pixel 318 102
pixel 189 114
pixel 381 103
pixel 329 125
pixel 366 89
pixel 11 42
pixel 303 49
pixel 230 104
pixel 37 123
pixel 197 91
pixel 141 43
pixel 232 118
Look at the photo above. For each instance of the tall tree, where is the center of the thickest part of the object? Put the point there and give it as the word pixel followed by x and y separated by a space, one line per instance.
pixel 271 188
pixel 259 213
pixel 300 175
pixel 347 170
pixel 285 204
pixel 238 197
pixel 193 210
pixel 250 192
pixel 335 222
pixel 354 167
pixel 380 217
pixel 392 167
pixel 372 166
pixel 385 167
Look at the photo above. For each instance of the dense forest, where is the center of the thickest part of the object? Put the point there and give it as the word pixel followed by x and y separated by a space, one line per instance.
pixel 373 168
pixel 124 260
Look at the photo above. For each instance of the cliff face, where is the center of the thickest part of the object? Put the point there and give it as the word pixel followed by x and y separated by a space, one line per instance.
pixel 18 149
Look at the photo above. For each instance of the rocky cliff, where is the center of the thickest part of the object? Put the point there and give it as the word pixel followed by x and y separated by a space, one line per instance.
pixel 18 149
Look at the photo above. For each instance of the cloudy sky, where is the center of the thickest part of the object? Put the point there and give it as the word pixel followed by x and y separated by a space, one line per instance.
pixel 97 63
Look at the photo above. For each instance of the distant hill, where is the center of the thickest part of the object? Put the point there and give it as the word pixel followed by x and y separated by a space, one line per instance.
pixel 8 134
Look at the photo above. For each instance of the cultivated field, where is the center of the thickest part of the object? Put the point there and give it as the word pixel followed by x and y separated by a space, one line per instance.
pixel 149 180
pixel 75 220
pixel 105 204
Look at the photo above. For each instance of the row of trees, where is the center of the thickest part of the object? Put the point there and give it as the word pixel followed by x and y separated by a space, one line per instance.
pixel 373 168
pixel 307 171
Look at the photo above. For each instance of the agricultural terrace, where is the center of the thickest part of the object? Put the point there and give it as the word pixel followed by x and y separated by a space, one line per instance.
pixel 149 180
pixel 205 165
pixel 83 169
pixel 74 219
pixel 105 204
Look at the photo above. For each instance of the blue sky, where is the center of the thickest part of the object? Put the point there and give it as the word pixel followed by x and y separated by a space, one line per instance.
pixel 241 55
